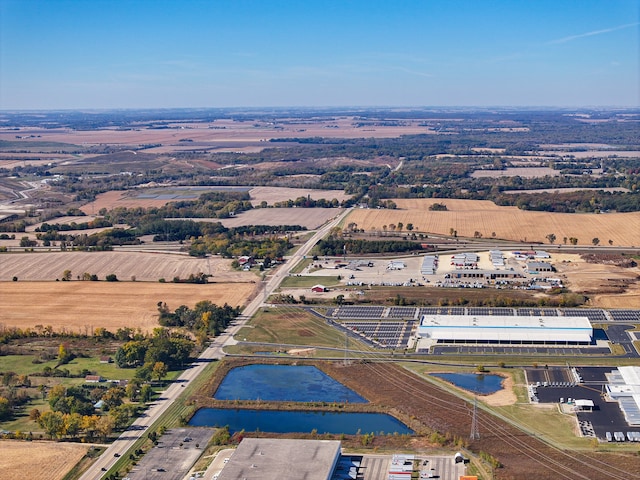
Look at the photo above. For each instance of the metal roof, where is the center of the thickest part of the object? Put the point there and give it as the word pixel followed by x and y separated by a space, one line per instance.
pixel 506 328
pixel 282 459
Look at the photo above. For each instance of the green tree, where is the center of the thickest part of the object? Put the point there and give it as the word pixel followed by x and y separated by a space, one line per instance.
pixel 66 275
pixel 52 423
pixel 146 392
pixel 72 424
pixel 595 241
pixel 160 370
pixel 113 397
pixel 551 237
pixel 5 408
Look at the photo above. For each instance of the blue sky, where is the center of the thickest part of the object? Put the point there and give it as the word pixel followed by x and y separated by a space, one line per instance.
pixel 65 54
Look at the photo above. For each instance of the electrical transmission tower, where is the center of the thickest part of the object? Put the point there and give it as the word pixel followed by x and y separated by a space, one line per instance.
pixel 475 433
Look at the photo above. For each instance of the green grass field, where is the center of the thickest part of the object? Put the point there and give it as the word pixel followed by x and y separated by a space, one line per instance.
pixel 309 281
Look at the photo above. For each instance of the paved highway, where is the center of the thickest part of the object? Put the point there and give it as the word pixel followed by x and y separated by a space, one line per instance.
pixel 213 351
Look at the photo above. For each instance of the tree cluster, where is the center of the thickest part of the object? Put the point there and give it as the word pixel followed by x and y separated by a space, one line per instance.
pixel 338 246
pixel 170 348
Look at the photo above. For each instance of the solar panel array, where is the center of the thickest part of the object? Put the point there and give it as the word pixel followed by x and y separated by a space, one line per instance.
pixel 625 315
pixel 385 334
pixel 592 314
pixel 537 312
pixel 358 312
pixel 374 312
pixel 402 312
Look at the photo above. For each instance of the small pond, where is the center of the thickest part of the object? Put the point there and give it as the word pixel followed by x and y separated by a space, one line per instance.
pixel 277 421
pixel 282 383
pixel 477 383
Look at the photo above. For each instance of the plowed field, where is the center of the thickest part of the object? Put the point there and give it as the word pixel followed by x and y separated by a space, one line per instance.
pixel 145 266
pixel 38 460
pixel 509 223
pixel 84 306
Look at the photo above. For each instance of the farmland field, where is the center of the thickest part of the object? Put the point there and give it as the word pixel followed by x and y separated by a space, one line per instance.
pixel 311 218
pixel 84 306
pixel 215 132
pixel 38 460
pixel 144 266
pixel 508 223
pixel 279 194
pixel 159 196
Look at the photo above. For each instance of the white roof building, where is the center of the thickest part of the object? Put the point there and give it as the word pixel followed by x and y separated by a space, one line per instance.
pixel 506 329
pixel 429 265
pixel 624 388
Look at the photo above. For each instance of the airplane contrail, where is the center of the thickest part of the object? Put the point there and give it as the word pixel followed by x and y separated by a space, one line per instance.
pixel 591 34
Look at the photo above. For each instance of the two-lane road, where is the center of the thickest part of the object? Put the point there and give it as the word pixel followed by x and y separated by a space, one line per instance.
pixel 213 351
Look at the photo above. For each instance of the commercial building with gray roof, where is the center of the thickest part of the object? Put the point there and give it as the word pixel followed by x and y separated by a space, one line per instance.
pixel 282 459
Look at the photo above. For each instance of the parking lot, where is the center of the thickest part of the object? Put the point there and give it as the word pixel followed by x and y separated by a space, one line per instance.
pixel 376 467
pixel 605 417
pixel 177 450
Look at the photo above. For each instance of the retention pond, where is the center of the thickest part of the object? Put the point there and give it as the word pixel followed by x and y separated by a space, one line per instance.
pixel 278 421
pixel 291 383
pixel 476 383
pixel 284 383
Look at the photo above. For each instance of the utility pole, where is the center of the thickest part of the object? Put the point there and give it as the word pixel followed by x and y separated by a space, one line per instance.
pixel 475 434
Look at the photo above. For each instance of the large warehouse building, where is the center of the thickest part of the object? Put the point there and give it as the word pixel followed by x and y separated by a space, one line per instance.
pixel 499 329
pixel 624 388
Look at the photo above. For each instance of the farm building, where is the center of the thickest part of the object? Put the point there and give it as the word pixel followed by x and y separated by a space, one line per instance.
pixel 506 329
pixel 319 289
pixel 429 265
pixel 535 267
pixel 624 388
pixel 245 259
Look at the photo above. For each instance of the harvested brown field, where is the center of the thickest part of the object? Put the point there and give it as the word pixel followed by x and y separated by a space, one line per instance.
pixel 524 172
pixel 508 223
pixel 311 218
pixel 159 196
pixel 115 199
pixel 38 460
pixel 144 266
pixel 84 306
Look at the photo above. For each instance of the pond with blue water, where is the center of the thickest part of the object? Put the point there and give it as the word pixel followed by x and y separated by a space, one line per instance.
pixel 291 383
pixel 476 383
pixel 284 383
pixel 278 421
